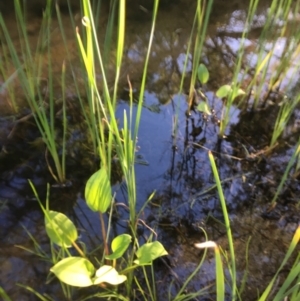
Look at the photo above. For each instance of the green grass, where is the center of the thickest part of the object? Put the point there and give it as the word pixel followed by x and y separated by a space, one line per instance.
pixel 41 100
pixel 290 287
pixel 232 266
pixel 109 136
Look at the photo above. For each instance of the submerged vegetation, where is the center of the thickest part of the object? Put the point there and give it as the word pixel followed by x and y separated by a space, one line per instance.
pixel 123 265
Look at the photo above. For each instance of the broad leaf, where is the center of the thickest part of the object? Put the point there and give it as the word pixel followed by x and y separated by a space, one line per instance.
pixel 150 251
pixel 109 275
pixel 204 107
pixel 203 74
pixel 60 229
pixel 75 271
pixel 119 245
pixel 224 91
pixel 98 191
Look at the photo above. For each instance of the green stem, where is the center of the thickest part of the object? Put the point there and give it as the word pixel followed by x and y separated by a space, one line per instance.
pixel 227 222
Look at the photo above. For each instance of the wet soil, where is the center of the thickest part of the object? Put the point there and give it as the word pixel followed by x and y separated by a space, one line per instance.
pixel 177 168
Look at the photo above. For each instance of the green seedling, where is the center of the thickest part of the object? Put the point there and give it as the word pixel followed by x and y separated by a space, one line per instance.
pixel 224 92
pixel 200 26
pixel 79 271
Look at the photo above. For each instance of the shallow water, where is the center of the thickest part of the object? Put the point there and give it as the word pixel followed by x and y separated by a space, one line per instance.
pixel 181 175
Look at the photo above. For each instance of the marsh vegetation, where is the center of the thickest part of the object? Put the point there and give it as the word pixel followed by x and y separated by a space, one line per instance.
pixel 150 143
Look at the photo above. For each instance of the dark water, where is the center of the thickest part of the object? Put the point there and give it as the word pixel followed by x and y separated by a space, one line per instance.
pixel 181 175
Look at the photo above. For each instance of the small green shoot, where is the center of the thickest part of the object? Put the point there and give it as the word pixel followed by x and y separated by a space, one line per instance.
pixel 119 246
pixel 226 91
pixel 204 107
pixel 203 74
pixel 203 77
pixel 200 24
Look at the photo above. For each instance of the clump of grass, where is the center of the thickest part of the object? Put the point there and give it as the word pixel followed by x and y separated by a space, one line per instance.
pixel 107 132
pixel 8 85
pixel 290 288
pixel 269 71
pixel 41 100
pixel 287 107
pixel 200 27
pixel 196 41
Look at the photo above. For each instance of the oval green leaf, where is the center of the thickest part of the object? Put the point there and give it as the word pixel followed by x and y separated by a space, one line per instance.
pixel 150 251
pixel 119 245
pixel 98 191
pixel 60 229
pixel 75 271
pixel 239 92
pixel 204 107
pixel 109 275
pixel 203 74
pixel 224 91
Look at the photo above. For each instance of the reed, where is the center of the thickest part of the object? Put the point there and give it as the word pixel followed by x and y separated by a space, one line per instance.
pixel 270 71
pixel 268 76
pixel 286 109
pixel 228 229
pixel 195 47
pixel 41 100
pixel 202 15
pixel 111 137
pixel 235 87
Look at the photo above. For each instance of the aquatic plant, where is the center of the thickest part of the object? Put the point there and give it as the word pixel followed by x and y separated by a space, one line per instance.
pixel 124 140
pixel 223 92
pixel 233 89
pixel 79 271
pixel 290 287
pixel 200 23
pixel 267 74
pixel 39 91
pixel 195 45
pixel 115 139
pixel 286 109
pixel 232 267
